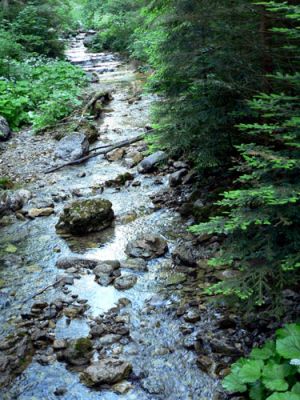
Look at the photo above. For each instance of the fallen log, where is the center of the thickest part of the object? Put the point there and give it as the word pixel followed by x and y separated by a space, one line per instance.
pixel 105 149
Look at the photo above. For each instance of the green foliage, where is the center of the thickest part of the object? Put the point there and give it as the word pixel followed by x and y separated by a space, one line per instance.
pixel 116 21
pixel 5 183
pixel 261 215
pixel 44 92
pixel 271 372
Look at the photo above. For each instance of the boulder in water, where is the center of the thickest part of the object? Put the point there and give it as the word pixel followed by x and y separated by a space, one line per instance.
pixel 125 282
pixel 72 147
pixel 107 371
pixel 147 246
pixel 150 162
pixel 85 216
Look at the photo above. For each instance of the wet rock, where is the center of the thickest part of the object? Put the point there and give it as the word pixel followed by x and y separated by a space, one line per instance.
pixel 189 342
pixel 72 147
pixel 192 316
pixel 60 391
pixel 150 162
pixel 78 352
pixel 176 279
pixel 106 267
pixel 65 280
pixel 204 363
pixel 221 346
pixel 107 371
pixel 125 282
pixel 5 131
pixel 40 335
pixel 40 212
pixel 105 279
pixel 175 179
pixel 86 216
pixel 40 305
pixel 122 387
pixel 13 200
pixel 109 339
pixel 120 180
pixel 76 262
pixel 97 330
pixel 148 246
pixel 60 344
pixel 74 311
pixel 186 254
pixel 115 155
pixel 136 264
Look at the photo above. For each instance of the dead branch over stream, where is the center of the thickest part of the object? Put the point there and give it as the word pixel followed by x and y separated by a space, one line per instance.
pixel 105 149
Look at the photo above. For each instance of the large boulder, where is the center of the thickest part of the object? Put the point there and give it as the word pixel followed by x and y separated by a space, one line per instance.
pixel 150 162
pixel 107 371
pixel 148 246
pixel 5 131
pixel 72 147
pixel 86 216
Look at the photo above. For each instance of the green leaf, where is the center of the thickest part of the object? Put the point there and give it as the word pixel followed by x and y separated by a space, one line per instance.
pixel 296 388
pixel 284 396
pixel 251 371
pixel 289 347
pixel 273 377
pixel 232 384
pixel 257 391
pixel 264 353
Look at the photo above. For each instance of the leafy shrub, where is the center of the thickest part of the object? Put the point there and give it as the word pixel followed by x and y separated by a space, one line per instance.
pixel 115 20
pixel 45 92
pixel 271 372
pixel 10 50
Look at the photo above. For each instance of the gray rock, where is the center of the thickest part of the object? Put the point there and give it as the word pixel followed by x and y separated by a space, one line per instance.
pixel 97 330
pixel 78 352
pixel 192 316
pixel 5 131
pixel 76 262
pixel 105 279
pixel 147 246
pixel 106 267
pixel 186 254
pixel 72 147
pixel 107 371
pixel 125 282
pixel 109 339
pixel 60 391
pixel 13 200
pixel 85 216
pixel 204 363
pixel 175 179
pixel 150 162
pixel 136 264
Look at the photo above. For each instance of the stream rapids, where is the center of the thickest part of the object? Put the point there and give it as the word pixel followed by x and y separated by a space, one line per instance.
pixel 162 367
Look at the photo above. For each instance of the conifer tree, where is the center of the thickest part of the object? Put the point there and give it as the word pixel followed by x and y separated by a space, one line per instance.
pixel 261 221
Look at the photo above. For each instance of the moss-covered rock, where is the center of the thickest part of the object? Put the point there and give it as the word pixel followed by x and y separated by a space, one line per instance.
pixel 85 216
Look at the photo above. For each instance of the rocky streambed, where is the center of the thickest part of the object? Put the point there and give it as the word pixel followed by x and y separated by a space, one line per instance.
pixel 101 286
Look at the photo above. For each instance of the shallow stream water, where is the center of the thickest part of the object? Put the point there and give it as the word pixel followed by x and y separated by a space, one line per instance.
pixel 29 251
